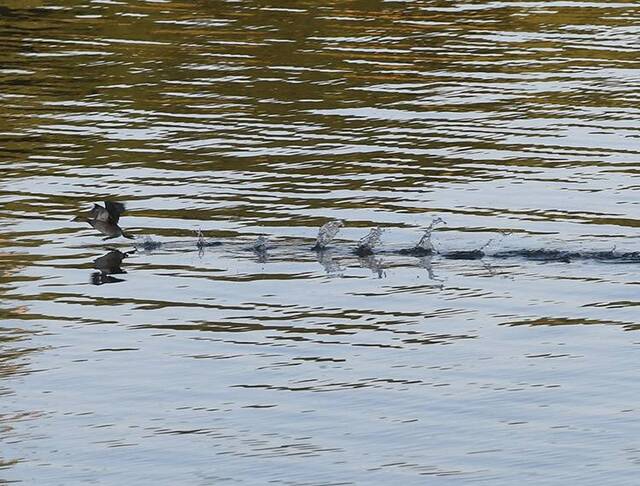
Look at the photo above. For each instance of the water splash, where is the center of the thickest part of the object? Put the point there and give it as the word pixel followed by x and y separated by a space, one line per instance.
pixel 260 245
pixel 425 245
pixel 499 238
pixel 201 239
pixel 476 254
pixel 203 242
pixel 423 248
pixel 425 242
pixel 327 233
pixel 147 244
pixel 368 242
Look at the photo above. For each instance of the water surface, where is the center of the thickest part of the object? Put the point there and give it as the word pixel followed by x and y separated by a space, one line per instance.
pixel 515 122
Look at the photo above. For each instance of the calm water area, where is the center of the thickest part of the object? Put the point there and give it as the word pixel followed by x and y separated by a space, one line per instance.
pixel 516 122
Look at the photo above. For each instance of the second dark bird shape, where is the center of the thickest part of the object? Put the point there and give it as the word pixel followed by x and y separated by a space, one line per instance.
pixel 105 219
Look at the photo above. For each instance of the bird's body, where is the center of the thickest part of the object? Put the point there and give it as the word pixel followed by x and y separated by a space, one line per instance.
pixel 105 219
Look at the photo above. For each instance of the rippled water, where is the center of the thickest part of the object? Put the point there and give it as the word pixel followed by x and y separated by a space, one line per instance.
pixel 515 122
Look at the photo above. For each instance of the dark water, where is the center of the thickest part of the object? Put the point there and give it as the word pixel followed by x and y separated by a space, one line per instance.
pixel 516 122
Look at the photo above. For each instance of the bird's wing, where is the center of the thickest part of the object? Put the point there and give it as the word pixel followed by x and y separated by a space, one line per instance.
pixel 99 213
pixel 114 210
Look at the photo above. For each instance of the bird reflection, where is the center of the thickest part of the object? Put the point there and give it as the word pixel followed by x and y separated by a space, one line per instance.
pixel 108 265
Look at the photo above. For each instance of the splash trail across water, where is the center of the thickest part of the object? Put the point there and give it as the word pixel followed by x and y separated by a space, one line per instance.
pixel 370 245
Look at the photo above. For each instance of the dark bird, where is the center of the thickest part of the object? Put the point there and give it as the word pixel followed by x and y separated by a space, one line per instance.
pixel 105 219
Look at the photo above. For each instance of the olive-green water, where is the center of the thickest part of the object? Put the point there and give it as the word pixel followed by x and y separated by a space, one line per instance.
pixel 518 123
